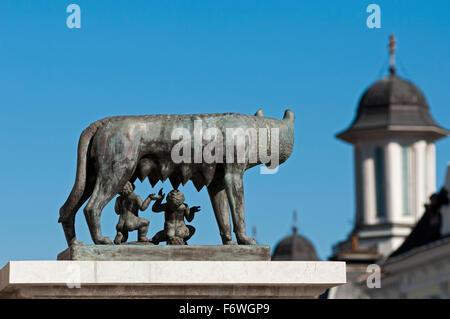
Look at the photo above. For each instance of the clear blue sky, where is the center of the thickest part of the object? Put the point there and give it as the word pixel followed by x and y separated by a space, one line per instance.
pixel 146 57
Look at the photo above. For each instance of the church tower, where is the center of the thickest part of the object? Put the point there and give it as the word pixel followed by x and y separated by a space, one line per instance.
pixel 393 136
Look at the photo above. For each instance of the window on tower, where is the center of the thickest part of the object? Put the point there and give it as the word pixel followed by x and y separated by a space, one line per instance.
pixel 359 191
pixel 380 182
pixel 406 177
pixel 425 173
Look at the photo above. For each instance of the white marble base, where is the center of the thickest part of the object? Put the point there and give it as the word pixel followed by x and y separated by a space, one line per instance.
pixel 169 279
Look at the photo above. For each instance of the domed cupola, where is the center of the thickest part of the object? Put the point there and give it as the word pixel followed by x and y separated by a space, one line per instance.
pixel 393 104
pixel 295 247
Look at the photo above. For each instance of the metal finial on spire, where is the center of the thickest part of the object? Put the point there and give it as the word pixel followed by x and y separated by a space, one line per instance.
pixel 392 47
pixel 295 227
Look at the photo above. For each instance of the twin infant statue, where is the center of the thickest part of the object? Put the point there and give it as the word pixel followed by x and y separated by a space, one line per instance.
pixel 175 231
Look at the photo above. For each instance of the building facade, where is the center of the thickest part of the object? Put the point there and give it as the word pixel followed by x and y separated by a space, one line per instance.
pixel 420 267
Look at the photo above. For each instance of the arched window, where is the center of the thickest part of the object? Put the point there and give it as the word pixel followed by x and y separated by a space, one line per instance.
pixel 406 180
pixel 358 188
pixel 380 183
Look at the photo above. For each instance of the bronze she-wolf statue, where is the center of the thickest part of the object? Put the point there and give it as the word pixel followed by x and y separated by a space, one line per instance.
pixel 120 149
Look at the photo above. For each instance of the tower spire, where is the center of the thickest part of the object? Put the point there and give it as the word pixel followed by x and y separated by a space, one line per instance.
pixel 392 47
pixel 294 227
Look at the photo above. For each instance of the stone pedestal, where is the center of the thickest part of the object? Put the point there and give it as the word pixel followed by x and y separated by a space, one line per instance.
pixel 145 252
pixel 169 279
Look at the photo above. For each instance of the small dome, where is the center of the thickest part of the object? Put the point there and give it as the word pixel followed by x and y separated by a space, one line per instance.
pixel 393 104
pixel 392 90
pixel 295 247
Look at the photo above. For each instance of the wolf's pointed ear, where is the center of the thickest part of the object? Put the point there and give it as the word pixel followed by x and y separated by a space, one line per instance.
pixel 259 113
pixel 288 116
